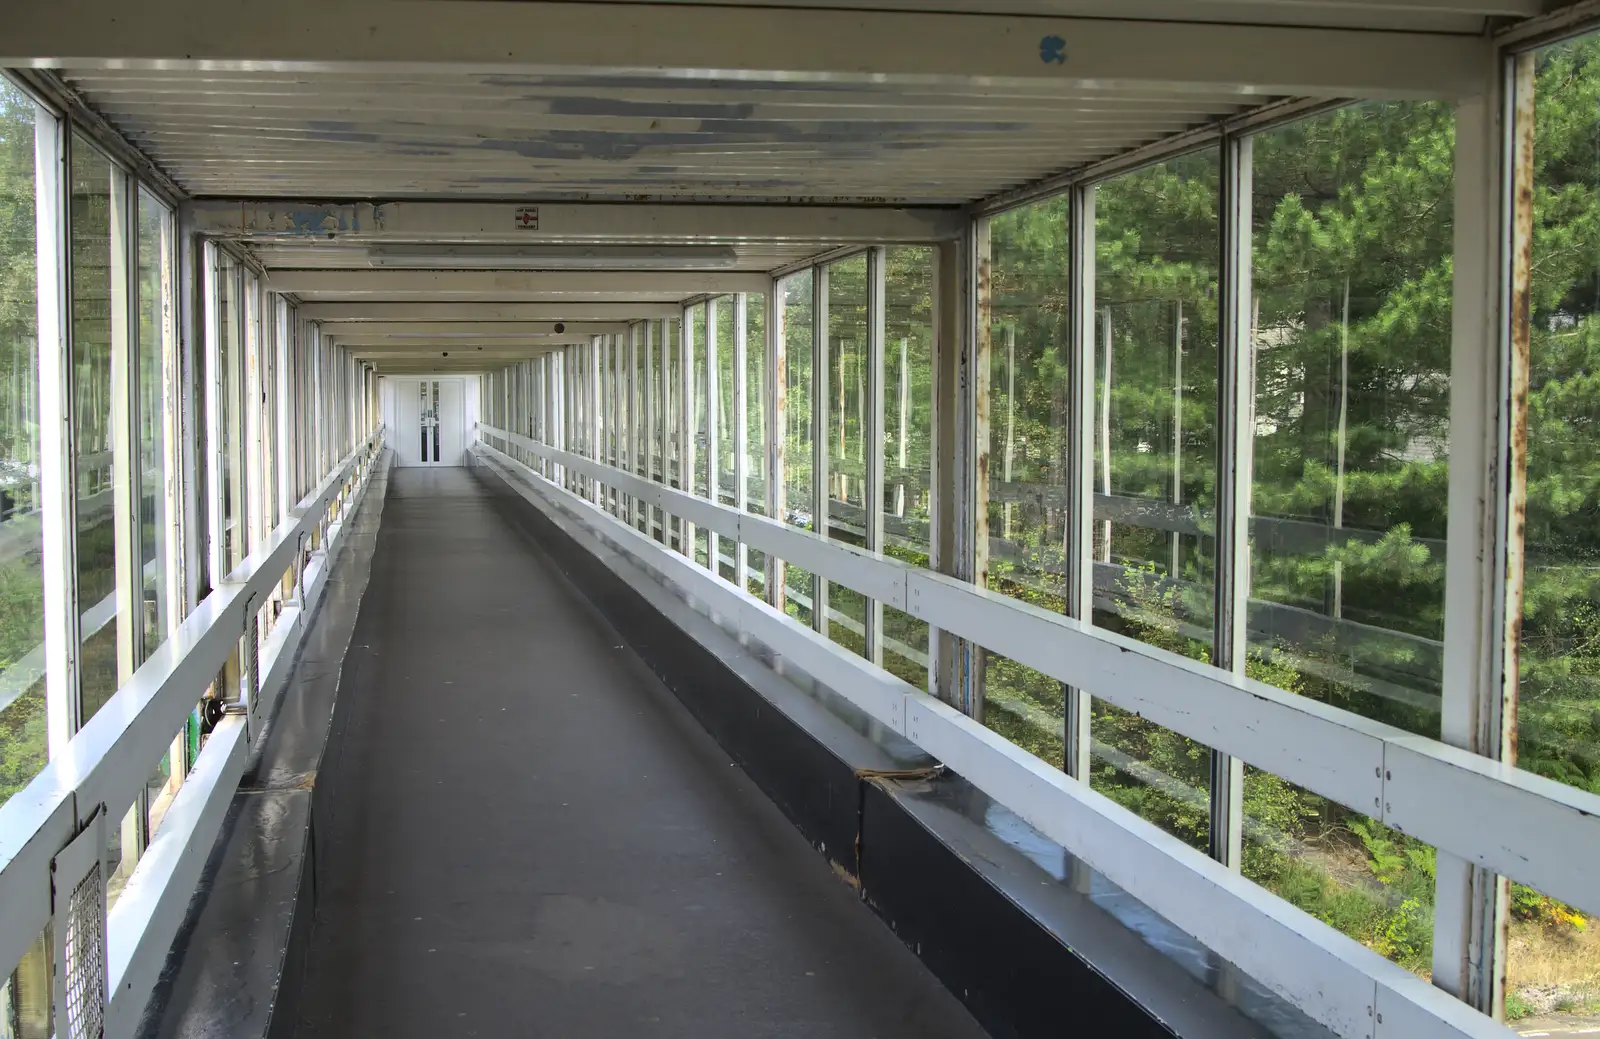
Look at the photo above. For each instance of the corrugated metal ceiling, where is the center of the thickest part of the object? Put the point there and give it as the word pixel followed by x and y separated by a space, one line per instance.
pixel 388 135
pixel 397 135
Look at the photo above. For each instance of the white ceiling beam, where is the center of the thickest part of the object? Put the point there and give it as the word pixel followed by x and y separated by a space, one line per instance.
pixel 554 223
pixel 512 285
pixel 458 353
pixel 339 314
pixel 700 42
pixel 473 330
pixel 424 343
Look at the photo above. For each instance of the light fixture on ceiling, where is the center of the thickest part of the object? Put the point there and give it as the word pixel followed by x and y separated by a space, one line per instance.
pixel 553 257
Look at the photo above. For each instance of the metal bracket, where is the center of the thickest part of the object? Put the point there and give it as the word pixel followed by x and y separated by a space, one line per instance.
pixel 79 985
pixel 249 668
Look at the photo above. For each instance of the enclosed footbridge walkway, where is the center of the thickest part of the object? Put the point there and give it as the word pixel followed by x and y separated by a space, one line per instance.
pixel 849 519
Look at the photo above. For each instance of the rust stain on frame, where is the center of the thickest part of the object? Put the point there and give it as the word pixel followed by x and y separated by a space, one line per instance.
pixel 1501 734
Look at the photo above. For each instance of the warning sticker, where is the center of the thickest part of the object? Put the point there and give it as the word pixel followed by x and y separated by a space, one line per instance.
pixel 527 218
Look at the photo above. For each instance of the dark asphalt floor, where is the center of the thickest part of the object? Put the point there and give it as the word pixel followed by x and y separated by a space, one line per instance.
pixel 530 836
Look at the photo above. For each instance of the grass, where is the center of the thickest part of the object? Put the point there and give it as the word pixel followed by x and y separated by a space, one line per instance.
pixel 1552 968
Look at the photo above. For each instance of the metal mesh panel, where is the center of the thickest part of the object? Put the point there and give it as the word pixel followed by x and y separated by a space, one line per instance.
pixel 85 980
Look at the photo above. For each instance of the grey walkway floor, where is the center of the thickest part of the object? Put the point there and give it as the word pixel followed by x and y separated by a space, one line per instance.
pixel 529 835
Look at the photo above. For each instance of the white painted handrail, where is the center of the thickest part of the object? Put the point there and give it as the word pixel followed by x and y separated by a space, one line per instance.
pixel 1533 829
pixel 1332 978
pixel 106 763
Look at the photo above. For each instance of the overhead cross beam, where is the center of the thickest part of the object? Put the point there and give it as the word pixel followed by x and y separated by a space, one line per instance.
pixel 361 345
pixel 339 314
pixel 468 330
pixel 556 223
pixel 598 286
pixel 720 42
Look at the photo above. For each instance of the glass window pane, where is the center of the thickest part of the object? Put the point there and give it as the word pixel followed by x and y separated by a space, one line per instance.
pixel 847 398
pixel 755 432
pixel 1352 355
pixel 755 361
pixel 22 659
pixel 908 442
pixel 846 388
pixel 796 331
pixel 1553 952
pixel 1028 342
pixel 1155 346
pixel 94 294
pixel 155 347
pixel 671 390
pixel 1351 247
pixel 697 387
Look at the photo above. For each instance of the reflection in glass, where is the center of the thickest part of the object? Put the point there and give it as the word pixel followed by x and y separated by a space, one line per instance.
pixel 1155 348
pixel 1028 342
pixel 1351 352
pixel 155 341
pixel 908 442
pixel 22 661
pixel 697 387
pixel 755 432
pixel 846 390
pixel 1352 409
pixel 796 390
pixel 93 297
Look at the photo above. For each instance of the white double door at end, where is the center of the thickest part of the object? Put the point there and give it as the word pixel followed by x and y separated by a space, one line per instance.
pixel 431 420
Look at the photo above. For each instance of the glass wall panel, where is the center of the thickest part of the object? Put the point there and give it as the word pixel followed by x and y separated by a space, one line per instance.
pixel 1553 961
pixel 697 403
pixel 672 417
pixel 1155 346
pixel 155 345
pixel 1351 269
pixel 1027 352
pixel 846 388
pixel 797 389
pixel 908 442
pixel 94 294
pixel 755 434
pixel 227 380
pixel 22 661
pixel 847 398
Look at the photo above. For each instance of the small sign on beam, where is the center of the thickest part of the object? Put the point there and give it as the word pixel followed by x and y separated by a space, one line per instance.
pixel 527 218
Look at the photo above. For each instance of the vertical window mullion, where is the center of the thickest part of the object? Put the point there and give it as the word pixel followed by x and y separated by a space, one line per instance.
pixel 872 498
pixel 772 399
pixel 713 453
pixel 819 435
pixel 741 432
pixel 1079 547
pixel 1235 438
pixel 593 397
pixel 58 511
pixel 1490 342
pixel 686 443
pixel 124 425
pixel 651 444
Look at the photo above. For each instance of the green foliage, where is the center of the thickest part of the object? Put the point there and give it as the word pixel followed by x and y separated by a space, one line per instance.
pixel 1352 277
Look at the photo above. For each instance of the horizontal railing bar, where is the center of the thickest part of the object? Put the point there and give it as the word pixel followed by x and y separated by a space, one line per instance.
pixel 1325 749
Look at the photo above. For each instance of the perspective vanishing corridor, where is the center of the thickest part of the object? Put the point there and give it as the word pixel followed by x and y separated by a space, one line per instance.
pixel 647 516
